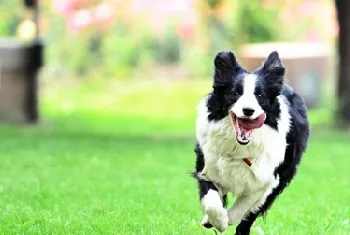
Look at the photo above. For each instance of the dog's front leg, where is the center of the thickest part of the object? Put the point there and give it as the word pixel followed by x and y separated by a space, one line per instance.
pixel 215 213
pixel 213 205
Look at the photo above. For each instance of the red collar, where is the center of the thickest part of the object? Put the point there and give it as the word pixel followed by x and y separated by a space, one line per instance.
pixel 247 161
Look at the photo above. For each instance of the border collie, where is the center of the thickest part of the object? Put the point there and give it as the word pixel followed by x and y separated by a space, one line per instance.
pixel 251 131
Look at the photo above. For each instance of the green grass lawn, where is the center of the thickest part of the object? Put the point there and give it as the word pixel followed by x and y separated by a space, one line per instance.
pixel 116 160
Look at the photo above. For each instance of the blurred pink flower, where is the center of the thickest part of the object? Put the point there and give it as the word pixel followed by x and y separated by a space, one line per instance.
pixel 103 12
pixel 80 19
pixel 63 7
pixel 158 14
pixel 187 31
pixel 313 36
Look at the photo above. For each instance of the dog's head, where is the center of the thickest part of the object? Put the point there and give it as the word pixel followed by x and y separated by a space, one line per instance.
pixel 246 97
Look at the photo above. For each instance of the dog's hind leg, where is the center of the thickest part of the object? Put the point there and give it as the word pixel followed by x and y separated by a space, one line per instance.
pixel 242 206
pixel 258 209
pixel 244 226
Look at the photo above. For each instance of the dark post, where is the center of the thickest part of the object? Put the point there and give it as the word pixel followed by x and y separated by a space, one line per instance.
pixel 34 53
pixel 343 87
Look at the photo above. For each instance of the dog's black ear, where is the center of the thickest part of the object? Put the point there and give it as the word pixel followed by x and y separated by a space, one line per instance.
pixel 226 67
pixel 273 65
pixel 273 73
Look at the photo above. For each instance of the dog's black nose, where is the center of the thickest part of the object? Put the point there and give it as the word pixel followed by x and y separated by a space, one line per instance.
pixel 248 112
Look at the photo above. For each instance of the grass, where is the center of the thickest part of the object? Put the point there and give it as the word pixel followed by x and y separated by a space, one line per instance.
pixel 115 158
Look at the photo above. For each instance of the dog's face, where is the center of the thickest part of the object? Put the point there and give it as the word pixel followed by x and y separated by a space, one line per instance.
pixel 246 97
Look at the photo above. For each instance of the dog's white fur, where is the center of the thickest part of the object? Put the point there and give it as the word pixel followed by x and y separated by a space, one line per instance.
pixel 224 163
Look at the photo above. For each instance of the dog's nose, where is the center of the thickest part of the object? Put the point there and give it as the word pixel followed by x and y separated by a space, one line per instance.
pixel 248 112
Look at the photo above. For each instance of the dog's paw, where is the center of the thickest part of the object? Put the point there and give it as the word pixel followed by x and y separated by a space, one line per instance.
pixel 205 222
pixel 216 217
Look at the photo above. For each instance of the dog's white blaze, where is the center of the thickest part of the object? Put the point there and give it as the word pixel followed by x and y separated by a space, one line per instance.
pixel 248 99
pixel 249 85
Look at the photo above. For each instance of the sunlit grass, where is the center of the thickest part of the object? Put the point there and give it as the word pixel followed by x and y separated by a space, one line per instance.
pixel 138 107
pixel 115 159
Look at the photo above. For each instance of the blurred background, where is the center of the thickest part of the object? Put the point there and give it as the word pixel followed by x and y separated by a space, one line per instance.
pixel 98 103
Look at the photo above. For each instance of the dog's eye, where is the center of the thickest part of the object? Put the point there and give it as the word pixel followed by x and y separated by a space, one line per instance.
pixel 259 95
pixel 235 93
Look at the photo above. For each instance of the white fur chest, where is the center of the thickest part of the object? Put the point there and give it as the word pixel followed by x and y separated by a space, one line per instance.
pixel 224 163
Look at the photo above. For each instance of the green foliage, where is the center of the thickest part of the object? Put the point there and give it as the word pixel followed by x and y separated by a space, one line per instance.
pixel 119 56
pixel 123 49
pixel 256 23
pixel 79 57
pixel 72 53
pixel 198 61
pixel 115 53
pixel 218 34
pixel 9 18
pixel 213 3
pixel 167 49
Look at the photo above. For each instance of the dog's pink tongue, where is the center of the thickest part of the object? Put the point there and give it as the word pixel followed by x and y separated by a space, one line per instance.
pixel 253 124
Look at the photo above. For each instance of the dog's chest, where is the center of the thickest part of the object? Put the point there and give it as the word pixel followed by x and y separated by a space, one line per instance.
pixel 233 174
pixel 224 163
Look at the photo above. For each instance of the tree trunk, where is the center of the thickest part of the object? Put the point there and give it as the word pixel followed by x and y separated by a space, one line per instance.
pixel 343 87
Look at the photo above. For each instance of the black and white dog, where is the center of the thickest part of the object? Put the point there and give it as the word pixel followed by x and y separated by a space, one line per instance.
pixel 251 131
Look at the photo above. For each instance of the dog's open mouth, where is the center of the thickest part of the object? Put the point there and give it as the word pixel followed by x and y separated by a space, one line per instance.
pixel 245 126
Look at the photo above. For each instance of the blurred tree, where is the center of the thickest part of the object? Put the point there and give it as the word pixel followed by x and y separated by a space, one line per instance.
pixel 214 3
pixel 215 27
pixel 167 48
pixel 10 17
pixel 256 25
pixel 343 88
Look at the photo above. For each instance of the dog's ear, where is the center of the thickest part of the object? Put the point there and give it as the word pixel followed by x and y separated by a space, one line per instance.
pixel 274 72
pixel 226 67
pixel 273 65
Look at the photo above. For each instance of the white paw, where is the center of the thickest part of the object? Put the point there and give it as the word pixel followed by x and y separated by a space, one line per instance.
pixel 205 222
pixel 217 217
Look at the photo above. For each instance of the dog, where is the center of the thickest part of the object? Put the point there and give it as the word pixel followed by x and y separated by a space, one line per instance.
pixel 251 132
